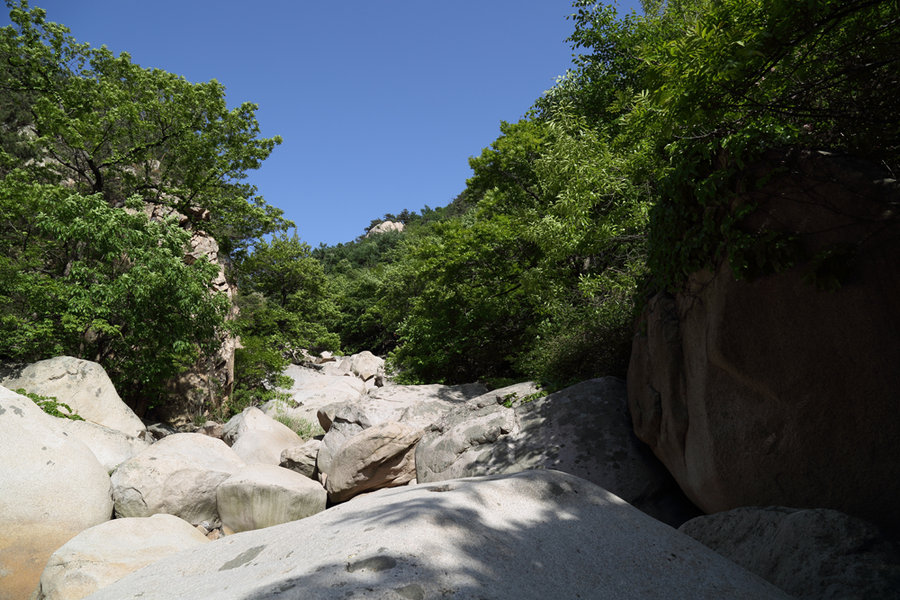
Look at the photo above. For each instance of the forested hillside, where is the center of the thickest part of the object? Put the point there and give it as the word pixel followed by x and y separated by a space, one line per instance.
pixel 618 183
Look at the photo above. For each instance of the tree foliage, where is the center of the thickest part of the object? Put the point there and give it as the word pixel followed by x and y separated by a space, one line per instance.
pixel 90 141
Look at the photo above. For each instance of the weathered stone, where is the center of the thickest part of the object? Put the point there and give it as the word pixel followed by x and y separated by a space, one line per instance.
pixel 346 421
pixel 366 365
pixel 416 405
pixel 51 488
pixel 539 534
pixel 385 227
pixel 769 391
pixel 110 446
pixel 301 459
pixel 105 553
pixel 81 384
pixel 312 390
pixel 813 554
pixel 258 438
pixel 381 456
pixel 584 430
pixel 177 475
pixel 260 496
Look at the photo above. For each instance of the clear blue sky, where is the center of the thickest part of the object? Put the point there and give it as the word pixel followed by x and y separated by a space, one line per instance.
pixel 380 102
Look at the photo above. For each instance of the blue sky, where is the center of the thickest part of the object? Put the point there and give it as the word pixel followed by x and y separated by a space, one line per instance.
pixel 380 102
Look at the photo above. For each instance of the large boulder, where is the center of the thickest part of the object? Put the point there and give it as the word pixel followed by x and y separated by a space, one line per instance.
pixel 260 496
pixel 110 446
pixel 81 384
pixel 51 488
pixel 416 405
pixel 105 553
pixel 302 459
pixel 378 457
pixel 344 421
pixel 366 365
pixel 584 430
pixel 258 438
pixel 312 390
pixel 813 554
pixel 539 534
pixel 177 475
pixel 770 391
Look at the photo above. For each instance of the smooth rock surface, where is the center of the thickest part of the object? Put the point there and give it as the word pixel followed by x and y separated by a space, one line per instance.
pixel 381 456
pixel 584 430
pixel 769 391
pixel 812 554
pixel 416 405
pixel 260 496
pixel 81 384
pixel 110 446
pixel 346 420
pixel 51 488
pixel 311 390
pixel 177 475
pixel 539 534
pixel 258 438
pixel 105 553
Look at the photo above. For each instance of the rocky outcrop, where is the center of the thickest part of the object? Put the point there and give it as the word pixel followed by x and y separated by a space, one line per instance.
pixel 260 496
pixel 540 534
pixel 105 553
pixel 81 384
pixel 51 488
pixel 177 475
pixel 584 430
pixel 770 391
pixel 110 446
pixel 385 227
pixel 815 554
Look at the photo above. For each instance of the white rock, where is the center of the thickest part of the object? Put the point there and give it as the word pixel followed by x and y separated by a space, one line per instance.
pixel 177 475
pixel 81 384
pixel 110 446
pixel 538 534
pixel 258 438
pixel 264 495
pixel 105 553
pixel 366 365
pixel 51 488
pixel 301 459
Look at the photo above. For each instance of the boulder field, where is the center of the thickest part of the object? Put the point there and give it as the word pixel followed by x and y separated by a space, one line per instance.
pixel 411 492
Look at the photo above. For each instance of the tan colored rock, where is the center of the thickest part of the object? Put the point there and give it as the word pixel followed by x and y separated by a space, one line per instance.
pixel 302 459
pixel 770 391
pixel 81 384
pixel 105 553
pixel 378 457
pixel 52 487
pixel 177 475
pixel 261 495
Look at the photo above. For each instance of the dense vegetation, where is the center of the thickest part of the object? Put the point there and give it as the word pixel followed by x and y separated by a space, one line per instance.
pixel 618 183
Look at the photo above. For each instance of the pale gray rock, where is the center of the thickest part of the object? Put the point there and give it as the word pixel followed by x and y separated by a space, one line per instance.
pixel 105 553
pixel 812 554
pixel 312 390
pixel 177 475
pixel 385 227
pixel 539 534
pixel 347 420
pixel 258 438
pixel 81 384
pixel 302 459
pixel 110 446
pixel 366 365
pixel 416 405
pixel 51 488
pixel 378 457
pixel 212 429
pixel 264 495
pixel 584 430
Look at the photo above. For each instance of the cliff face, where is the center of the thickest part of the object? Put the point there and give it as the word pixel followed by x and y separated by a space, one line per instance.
pixel 770 391
pixel 211 380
